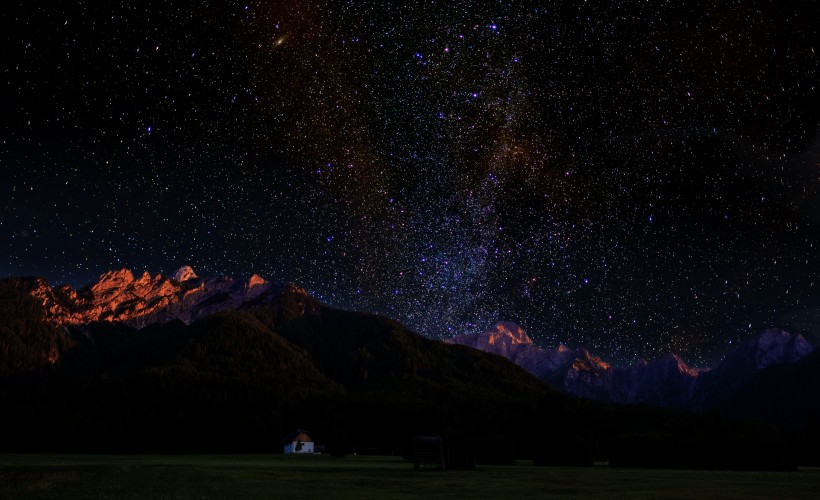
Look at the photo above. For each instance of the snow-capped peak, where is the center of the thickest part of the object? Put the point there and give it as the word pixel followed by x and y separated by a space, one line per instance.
pixel 184 273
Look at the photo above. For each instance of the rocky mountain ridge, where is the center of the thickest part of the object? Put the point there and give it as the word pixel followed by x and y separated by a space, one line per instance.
pixel 666 381
pixel 138 301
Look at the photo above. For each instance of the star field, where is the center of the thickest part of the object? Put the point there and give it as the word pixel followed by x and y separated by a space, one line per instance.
pixel 632 177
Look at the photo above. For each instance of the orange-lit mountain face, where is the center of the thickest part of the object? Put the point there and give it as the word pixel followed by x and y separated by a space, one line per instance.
pixel 142 300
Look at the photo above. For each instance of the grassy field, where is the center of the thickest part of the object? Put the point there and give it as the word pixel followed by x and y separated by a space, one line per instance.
pixel 295 477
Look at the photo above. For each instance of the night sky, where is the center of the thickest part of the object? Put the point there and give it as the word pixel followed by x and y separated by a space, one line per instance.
pixel 635 177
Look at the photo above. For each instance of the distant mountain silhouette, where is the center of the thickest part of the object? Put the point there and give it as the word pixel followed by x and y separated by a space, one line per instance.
pixel 666 381
pixel 787 394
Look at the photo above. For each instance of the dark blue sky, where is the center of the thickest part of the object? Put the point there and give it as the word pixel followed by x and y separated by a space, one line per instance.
pixel 630 177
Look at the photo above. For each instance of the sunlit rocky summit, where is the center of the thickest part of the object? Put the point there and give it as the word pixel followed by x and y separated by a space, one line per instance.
pixel 142 300
pixel 666 381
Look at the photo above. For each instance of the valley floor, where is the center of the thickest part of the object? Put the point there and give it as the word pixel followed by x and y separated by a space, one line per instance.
pixel 318 476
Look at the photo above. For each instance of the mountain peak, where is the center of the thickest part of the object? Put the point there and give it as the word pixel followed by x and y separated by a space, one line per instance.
pixel 673 361
pixel 774 346
pixel 513 331
pixel 504 338
pixel 185 273
pixel 256 280
pixel 117 276
pixel 112 282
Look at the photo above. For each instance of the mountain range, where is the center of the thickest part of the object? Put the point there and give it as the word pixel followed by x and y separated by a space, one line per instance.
pixel 182 363
pixel 138 301
pixel 119 296
pixel 665 382
pixel 234 365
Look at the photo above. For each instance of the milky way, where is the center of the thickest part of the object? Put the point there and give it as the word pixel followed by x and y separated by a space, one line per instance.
pixel 632 177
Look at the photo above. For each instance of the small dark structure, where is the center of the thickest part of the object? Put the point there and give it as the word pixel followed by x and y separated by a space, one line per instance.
pixel 429 450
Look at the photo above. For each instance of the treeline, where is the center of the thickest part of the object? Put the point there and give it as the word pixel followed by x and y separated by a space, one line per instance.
pixel 27 343
pixel 239 381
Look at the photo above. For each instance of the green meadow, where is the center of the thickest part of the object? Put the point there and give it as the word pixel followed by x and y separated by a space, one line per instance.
pixel 319 476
